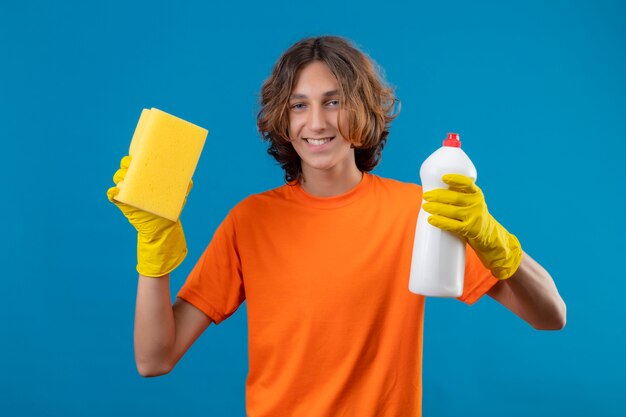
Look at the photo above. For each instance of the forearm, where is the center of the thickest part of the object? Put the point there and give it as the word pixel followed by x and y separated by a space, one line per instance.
pixel 155 332
pixel 531 294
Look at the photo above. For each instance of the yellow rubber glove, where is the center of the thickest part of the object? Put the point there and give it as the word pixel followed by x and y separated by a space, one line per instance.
pixel 462 210
pixel 161 244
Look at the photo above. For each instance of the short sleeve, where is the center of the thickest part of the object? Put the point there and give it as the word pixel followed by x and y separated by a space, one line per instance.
pixel 478 279
pixel 215 285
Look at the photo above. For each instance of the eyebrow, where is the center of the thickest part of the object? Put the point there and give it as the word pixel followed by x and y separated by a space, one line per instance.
pixel 326 94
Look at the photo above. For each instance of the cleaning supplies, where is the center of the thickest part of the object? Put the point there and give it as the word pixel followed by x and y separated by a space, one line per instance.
pixel 438 261
pixel 165 151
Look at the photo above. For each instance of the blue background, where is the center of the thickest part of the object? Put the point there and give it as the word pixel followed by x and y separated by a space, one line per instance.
pixel 536 89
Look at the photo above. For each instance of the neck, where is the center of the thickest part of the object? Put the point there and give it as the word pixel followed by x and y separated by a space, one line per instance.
pixel 322 183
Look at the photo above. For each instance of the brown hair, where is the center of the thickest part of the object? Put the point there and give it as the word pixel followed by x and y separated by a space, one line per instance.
pixel 365 98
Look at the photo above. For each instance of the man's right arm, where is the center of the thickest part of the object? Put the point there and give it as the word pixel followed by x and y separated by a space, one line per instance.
pixel 163 332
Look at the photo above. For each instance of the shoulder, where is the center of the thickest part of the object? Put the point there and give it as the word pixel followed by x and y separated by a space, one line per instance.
pixel 262 202
pixel 395 188
pixel 398 200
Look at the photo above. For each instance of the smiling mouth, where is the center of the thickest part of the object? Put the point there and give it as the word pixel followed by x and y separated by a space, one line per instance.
pixel 319 141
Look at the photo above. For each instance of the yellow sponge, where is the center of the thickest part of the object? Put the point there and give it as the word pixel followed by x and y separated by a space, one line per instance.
pixel 165 151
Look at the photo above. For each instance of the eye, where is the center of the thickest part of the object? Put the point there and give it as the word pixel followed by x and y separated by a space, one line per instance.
pixel 297 106
pixel 333 103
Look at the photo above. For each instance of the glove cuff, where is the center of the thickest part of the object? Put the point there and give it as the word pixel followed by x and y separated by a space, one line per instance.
pixel 160 256
pixel 512 258
pixel 501 252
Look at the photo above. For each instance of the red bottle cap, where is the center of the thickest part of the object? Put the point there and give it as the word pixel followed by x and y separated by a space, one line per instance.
pixel 452 140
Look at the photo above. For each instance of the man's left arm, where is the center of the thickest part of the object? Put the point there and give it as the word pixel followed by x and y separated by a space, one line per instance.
pixel 531 294
pixel 525 287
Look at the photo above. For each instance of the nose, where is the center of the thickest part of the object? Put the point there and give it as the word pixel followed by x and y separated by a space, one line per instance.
pixel 317 118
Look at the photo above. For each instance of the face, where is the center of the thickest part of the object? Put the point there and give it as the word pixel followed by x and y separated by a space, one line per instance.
pixel 314 117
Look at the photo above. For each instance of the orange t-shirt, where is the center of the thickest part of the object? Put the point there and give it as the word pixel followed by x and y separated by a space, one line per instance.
pixel 333 328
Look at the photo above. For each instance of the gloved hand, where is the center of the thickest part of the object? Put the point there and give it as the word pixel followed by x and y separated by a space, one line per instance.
pixel 161 244
pixel 462 210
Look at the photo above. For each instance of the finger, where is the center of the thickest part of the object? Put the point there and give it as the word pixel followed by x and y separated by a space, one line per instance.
pixel 112 192
pixel 459 182
pixel 119 175
pixel 441 195
pixel 125 162
pixel 445 210
pixel 447 224
pixel 125 208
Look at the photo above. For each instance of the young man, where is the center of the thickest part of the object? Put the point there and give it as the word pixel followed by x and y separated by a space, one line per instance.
pixel 324 260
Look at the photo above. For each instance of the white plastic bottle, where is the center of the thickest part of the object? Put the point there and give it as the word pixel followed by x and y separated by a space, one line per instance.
pixel 438 262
